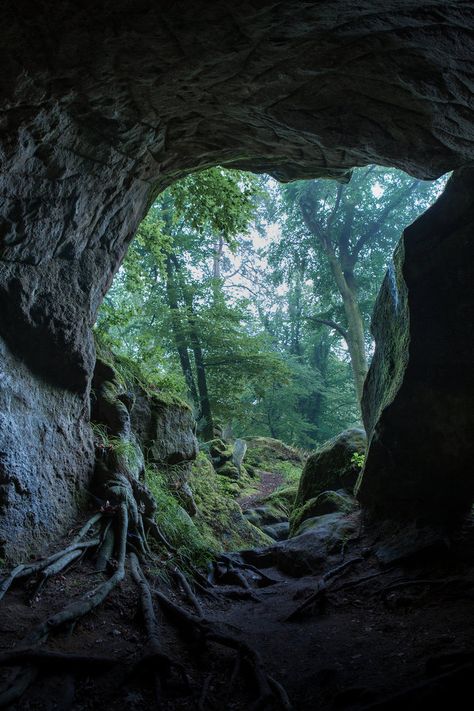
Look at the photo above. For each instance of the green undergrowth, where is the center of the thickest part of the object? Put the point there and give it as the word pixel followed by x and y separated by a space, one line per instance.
pixel 130 374
pixel 283 498
pixel 176 524
pixel 219 524
pixel 272 455
pixel 220 517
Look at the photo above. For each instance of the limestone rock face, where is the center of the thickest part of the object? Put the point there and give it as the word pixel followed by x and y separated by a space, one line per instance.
pixel 166 429
pixel 103 104
pixel 419 394
pixel 46 458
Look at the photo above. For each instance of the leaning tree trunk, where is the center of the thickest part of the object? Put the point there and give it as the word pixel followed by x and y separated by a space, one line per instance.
pixel 355 326
pixel 356 343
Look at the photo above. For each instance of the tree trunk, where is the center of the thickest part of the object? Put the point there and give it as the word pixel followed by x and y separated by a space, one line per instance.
pixel 355 324
pixel 206 421
pixel 207 424
pixel 179 334
pixel 313 405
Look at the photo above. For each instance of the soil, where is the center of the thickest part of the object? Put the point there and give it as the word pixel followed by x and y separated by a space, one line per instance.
pixel 407 630
pixel 269 481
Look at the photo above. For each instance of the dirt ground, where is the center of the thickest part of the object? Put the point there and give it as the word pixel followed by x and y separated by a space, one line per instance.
pixel 268 482
pixel 373 633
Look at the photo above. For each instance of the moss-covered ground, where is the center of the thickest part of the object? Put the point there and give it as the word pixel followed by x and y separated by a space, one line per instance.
pixel 218 525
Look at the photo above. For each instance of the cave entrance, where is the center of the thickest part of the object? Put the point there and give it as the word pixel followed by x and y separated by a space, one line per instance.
pixel 92 135
pixel 104 105
pixel 309 257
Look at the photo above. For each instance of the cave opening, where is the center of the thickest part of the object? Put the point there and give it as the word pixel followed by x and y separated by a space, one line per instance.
pixel 103 106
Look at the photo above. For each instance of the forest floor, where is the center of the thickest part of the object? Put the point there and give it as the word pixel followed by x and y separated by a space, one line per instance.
pixel 268 482
pixel 372 632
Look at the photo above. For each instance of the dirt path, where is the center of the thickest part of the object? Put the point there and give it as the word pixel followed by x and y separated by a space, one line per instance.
pixel 269 481
pixel 355 648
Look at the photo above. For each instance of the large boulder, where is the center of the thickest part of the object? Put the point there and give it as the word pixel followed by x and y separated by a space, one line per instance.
pixel 165 426
pixel 323 537
pixel 325 503
pixel 333 466
pixel 418 402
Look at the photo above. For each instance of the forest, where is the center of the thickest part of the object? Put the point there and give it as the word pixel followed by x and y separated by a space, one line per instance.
pixel 252 300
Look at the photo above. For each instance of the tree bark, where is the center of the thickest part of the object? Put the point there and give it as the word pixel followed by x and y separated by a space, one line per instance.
pixel 355 326
pixel 205 412
pixel 179 333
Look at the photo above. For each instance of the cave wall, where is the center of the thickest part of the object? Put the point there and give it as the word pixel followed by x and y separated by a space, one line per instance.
pixel 104 103
pixel 419 393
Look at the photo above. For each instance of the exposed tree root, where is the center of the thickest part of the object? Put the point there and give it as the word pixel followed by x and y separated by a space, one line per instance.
pixel 190 596
pixel 160 663
pixel 260 577
pixel 203 630
pixel 319 595
pixel 114 535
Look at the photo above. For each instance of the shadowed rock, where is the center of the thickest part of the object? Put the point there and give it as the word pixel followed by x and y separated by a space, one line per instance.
pixel 419 394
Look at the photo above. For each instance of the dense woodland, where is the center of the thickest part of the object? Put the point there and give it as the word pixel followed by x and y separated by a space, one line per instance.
pixel 252 299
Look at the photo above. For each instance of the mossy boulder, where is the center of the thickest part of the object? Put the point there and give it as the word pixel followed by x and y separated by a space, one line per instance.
pixel 219 451
pixel 228 470
pixel 165 428
pixel 332 466
pixel 264 515
pixel 282 498
pixel 273 455
pixel 219 518
pixel 337 526
pixel 325 503
pixel 324 538
pixel 277 531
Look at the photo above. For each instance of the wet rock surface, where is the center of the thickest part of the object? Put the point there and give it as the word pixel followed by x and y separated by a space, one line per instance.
pixel 320 537
pixel 325 503
pixel 46 458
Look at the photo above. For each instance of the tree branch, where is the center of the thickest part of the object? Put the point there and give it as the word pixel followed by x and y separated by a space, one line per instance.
pixel 378 223
pixel 328 322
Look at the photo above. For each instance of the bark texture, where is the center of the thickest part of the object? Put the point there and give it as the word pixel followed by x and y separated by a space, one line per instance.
pixel 104 103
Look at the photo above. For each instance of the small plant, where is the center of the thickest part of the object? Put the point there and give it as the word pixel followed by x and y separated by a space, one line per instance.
pixel 176 524
pixel 358 459
pixel 101 435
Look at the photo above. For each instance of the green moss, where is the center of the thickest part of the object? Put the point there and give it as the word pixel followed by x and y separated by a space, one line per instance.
pixel 130 375
pixel 176 524
pixel 220 518
pixel 283 498
pixel 331 467
pixel 325 503
pixel 272 455
pixel 228 470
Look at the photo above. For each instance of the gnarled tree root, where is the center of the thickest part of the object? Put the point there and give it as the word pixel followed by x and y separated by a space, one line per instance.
pixel 114 535
pixel 127 520
pixel 270 692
